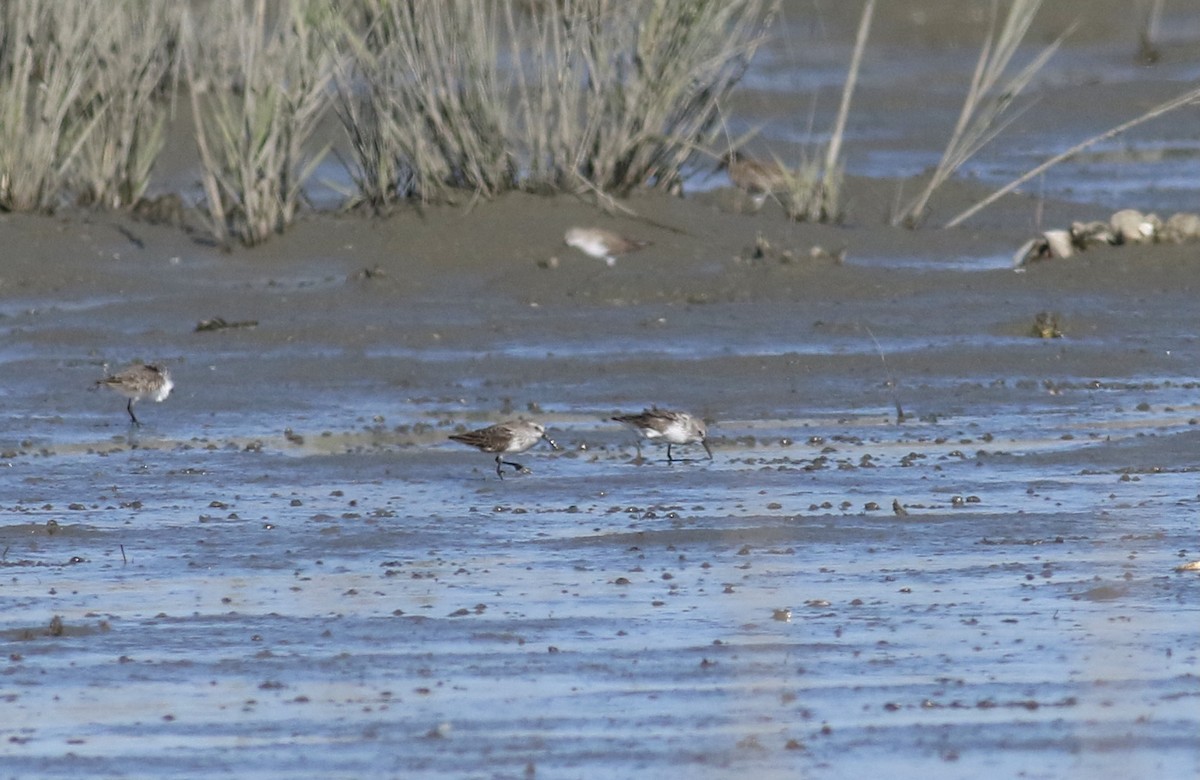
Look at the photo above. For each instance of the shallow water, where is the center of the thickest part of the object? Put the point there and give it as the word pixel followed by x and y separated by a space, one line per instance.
pixel 290 571
pixel 911 87
pixel 358 596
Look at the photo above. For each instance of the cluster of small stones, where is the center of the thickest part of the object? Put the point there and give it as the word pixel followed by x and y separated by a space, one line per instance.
pixel 765 250
pixel 1127 226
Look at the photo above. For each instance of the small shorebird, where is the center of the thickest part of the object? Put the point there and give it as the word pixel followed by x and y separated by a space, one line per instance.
pixel 671 427
pixel 138 382
pixel 514 436
pixel 602 244
pixel 756 178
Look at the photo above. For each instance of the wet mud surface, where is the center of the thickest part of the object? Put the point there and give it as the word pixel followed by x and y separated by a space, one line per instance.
pixel 289 569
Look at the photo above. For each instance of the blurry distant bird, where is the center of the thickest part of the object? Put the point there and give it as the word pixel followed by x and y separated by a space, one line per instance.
pixel 602 244
pixel 757 178
pixel 138 382
pixel 671 427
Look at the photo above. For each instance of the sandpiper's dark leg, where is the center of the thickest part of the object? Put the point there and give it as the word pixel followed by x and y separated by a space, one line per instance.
pixel 706 449
pixel 499 473
pixel 669 453
pixel 129 408
pixel 520 469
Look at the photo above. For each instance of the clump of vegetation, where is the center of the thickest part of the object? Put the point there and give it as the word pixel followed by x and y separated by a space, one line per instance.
pixel 812 191
pixel 129 99
pixel 81 105
pixel 422 99
pixel 45 59
pixel 634 87
pixel 438 99
pixel 478 97
pixel 257 79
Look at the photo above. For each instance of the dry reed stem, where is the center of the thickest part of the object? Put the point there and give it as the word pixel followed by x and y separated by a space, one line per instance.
pixel 813 190
pixel 1151 15
pixel 1187 98
pixel 979 120
pixel 834 153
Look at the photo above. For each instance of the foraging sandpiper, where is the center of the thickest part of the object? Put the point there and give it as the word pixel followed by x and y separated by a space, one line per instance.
pixel 671 427
pixel 514 436
pixel 601 243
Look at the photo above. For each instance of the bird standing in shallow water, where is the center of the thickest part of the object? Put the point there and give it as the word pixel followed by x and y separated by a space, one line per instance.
pixel 514 436
pixel 138 382
pixel 671 427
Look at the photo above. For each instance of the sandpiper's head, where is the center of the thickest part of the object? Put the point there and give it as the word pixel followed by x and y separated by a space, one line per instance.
pixel 541 429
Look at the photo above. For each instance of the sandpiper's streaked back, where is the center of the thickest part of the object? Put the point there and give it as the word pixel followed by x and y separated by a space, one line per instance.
pixel 514 436
pixel 137 382
pixel 601 243
pixel 757 178
pixel 671 427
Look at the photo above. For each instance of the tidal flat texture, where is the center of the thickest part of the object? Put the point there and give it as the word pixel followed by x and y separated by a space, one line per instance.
pixel 930 543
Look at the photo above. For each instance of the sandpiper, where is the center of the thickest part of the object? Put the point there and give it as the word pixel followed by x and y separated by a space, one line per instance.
pixel 756 178
pixel 513 436
pixel 671 427
pixel 137 382
pixel 601 243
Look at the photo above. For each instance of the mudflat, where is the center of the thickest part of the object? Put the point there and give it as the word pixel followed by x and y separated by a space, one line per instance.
pixel 930 541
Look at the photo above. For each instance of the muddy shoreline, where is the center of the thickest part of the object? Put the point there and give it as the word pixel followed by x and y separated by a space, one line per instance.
pixel 290 570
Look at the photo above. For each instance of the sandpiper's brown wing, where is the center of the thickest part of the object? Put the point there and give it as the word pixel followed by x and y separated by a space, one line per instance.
pixel 653 418
pixel 754 175
pixel 635 420
pixel 622 245
pixel 136 379
pixel 490 439
pixel 141 377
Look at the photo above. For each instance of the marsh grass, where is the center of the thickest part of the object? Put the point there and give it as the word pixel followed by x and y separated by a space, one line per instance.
pixel 648 80
pixel 82 104
pixel 256 77
pixel 45 62
pixel 479 96
pixel 419 94
pixel 810 191
pixel 129 99
pixel 441 100
pixel 986 109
